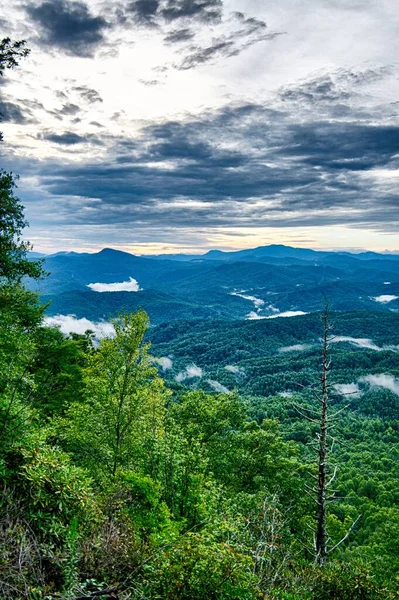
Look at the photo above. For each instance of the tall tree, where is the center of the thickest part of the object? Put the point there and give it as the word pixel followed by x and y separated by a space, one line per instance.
pixel 115 428
pixel 322 482
pixel 14 263
pixel 13 251
pixel 322 493
pixel 11 53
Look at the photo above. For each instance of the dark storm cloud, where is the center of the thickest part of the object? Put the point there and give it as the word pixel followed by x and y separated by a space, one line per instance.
pixel 209 11
pixel 88 94
pixel 21 111
pixel 155 12
pixel 143 11
pixel 198 56
pixel 66 111
pixel 347 146
pixel 176 20
pixel 321 89
pixel 178 36
pixel 251 32
pixel 69 109
pixel 241 166
pixel 68 138
pixel 11 113
pixel 68 26
pixel 337 87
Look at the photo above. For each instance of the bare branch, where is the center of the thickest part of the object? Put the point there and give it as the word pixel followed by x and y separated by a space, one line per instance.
pixel 345 536
pixel 333 477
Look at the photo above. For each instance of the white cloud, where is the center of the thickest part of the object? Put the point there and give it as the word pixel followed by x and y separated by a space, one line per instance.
pixel 70 324
pixel 189 372
pixel 272 308
pixel 296 348
pixel 125 286
pixel 286 394
pixel 218 387
pixel 387 283
pixel 389 382
pixel 258 302
pixel 288 313
pixel 235 370
pixel 364 343
pixel 253 316
pixel 385 298
pixel 348 389
pixel 359 342
pixel 165 362
pixel 194 371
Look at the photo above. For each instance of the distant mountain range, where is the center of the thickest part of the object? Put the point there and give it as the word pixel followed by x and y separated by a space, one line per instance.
pixel 260 283
pixel 277 251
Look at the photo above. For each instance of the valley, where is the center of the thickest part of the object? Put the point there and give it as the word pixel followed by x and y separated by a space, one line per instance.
pixel 252 285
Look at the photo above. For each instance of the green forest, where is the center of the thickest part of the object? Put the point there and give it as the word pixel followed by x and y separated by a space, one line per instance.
pixel 117 484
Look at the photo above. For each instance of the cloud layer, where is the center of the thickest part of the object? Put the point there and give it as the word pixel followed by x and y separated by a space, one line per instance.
pixel 70 324
pixel 182 121
pixel 68 26
pixel 385 298
pixel 218 387
pixel 389 382
pixel 125 286
pixel 165 362
pixel 190 372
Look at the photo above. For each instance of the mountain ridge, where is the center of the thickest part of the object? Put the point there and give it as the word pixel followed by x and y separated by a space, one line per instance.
pixel 269 250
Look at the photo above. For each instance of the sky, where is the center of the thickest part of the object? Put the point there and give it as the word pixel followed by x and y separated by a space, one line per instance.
pixel 159 126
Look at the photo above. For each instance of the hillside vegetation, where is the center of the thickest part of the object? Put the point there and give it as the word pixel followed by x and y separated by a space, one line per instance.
pixel 244 285
pixel 117 482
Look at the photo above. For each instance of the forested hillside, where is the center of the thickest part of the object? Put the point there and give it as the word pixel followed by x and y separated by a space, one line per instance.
pixel 185 470
pixel 257 284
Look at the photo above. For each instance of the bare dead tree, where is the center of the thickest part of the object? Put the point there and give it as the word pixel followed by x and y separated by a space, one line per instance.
pixel 322 483
pixel 322 492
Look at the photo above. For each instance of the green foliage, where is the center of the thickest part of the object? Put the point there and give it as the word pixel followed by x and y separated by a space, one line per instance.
pixel 59 370
pixel 115 429
pixel 142 501
pixel 16 384
pixel 10 53
pixel 109 478
pixel 201 567
pixel 21 559
pixel 70 568
pixel 346 582
pixel 240 453
pixel 13 250
pixel 56 492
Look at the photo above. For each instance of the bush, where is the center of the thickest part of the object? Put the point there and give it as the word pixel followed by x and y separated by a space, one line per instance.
pixel 346 582
pixel 55 492
pixel 198 567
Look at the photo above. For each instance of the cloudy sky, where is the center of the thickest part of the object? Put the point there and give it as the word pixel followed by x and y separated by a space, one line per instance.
pixel 182 125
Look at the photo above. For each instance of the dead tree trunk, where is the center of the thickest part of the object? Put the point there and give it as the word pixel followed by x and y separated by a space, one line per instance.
pixel 321 492
pixel 321 513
